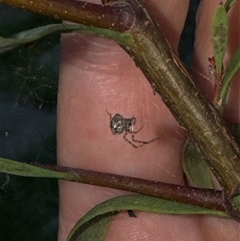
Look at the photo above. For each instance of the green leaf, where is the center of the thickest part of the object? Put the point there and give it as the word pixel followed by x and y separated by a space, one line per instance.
pixel 95 229
pixel 27 170
pixel 232 68
pixel 31 35
pixel 195 167
pixel 137 202
pixel 195 164
pixel 219 34
pixel 229 4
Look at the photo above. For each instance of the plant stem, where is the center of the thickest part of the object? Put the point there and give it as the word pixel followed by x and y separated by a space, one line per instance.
pixel 203 197
pixel 152 53
pixel 205 127
pixel 119 17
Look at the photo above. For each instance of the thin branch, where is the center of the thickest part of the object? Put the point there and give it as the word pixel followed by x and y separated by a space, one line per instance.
pixel 118 17
pixel 203 197
pixel 152 53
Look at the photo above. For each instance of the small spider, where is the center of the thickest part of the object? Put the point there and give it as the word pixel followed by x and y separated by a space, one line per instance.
pixel 119 125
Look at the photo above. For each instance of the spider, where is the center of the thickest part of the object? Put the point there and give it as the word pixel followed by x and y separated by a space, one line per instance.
pixel 119 125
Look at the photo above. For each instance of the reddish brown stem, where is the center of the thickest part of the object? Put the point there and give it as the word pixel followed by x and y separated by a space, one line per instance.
pixel 118 17
pixel 202 197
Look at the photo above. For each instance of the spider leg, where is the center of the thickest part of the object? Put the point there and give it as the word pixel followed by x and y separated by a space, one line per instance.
pixel 139 141
pixel 143 142
pixel 109 115
pixel 135 132
pixel 126 139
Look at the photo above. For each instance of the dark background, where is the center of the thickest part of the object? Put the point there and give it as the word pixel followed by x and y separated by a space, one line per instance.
pixel 28 99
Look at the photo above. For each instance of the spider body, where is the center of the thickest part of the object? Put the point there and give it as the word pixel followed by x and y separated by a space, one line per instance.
pixel 119 125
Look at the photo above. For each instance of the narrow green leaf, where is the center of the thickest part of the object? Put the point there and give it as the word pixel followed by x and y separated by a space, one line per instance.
pixel 195 167
pixel 31 35
pixel 195 164
pixel 219 34
pixel 27 170
pixel 138 202
pixel 229 4
pixel 95 229
pixel 232 68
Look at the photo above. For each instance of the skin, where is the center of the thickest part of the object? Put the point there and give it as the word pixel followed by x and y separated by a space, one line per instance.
pixel 97 75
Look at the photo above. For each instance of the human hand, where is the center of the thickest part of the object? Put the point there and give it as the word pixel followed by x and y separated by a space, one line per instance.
pixel 97 75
